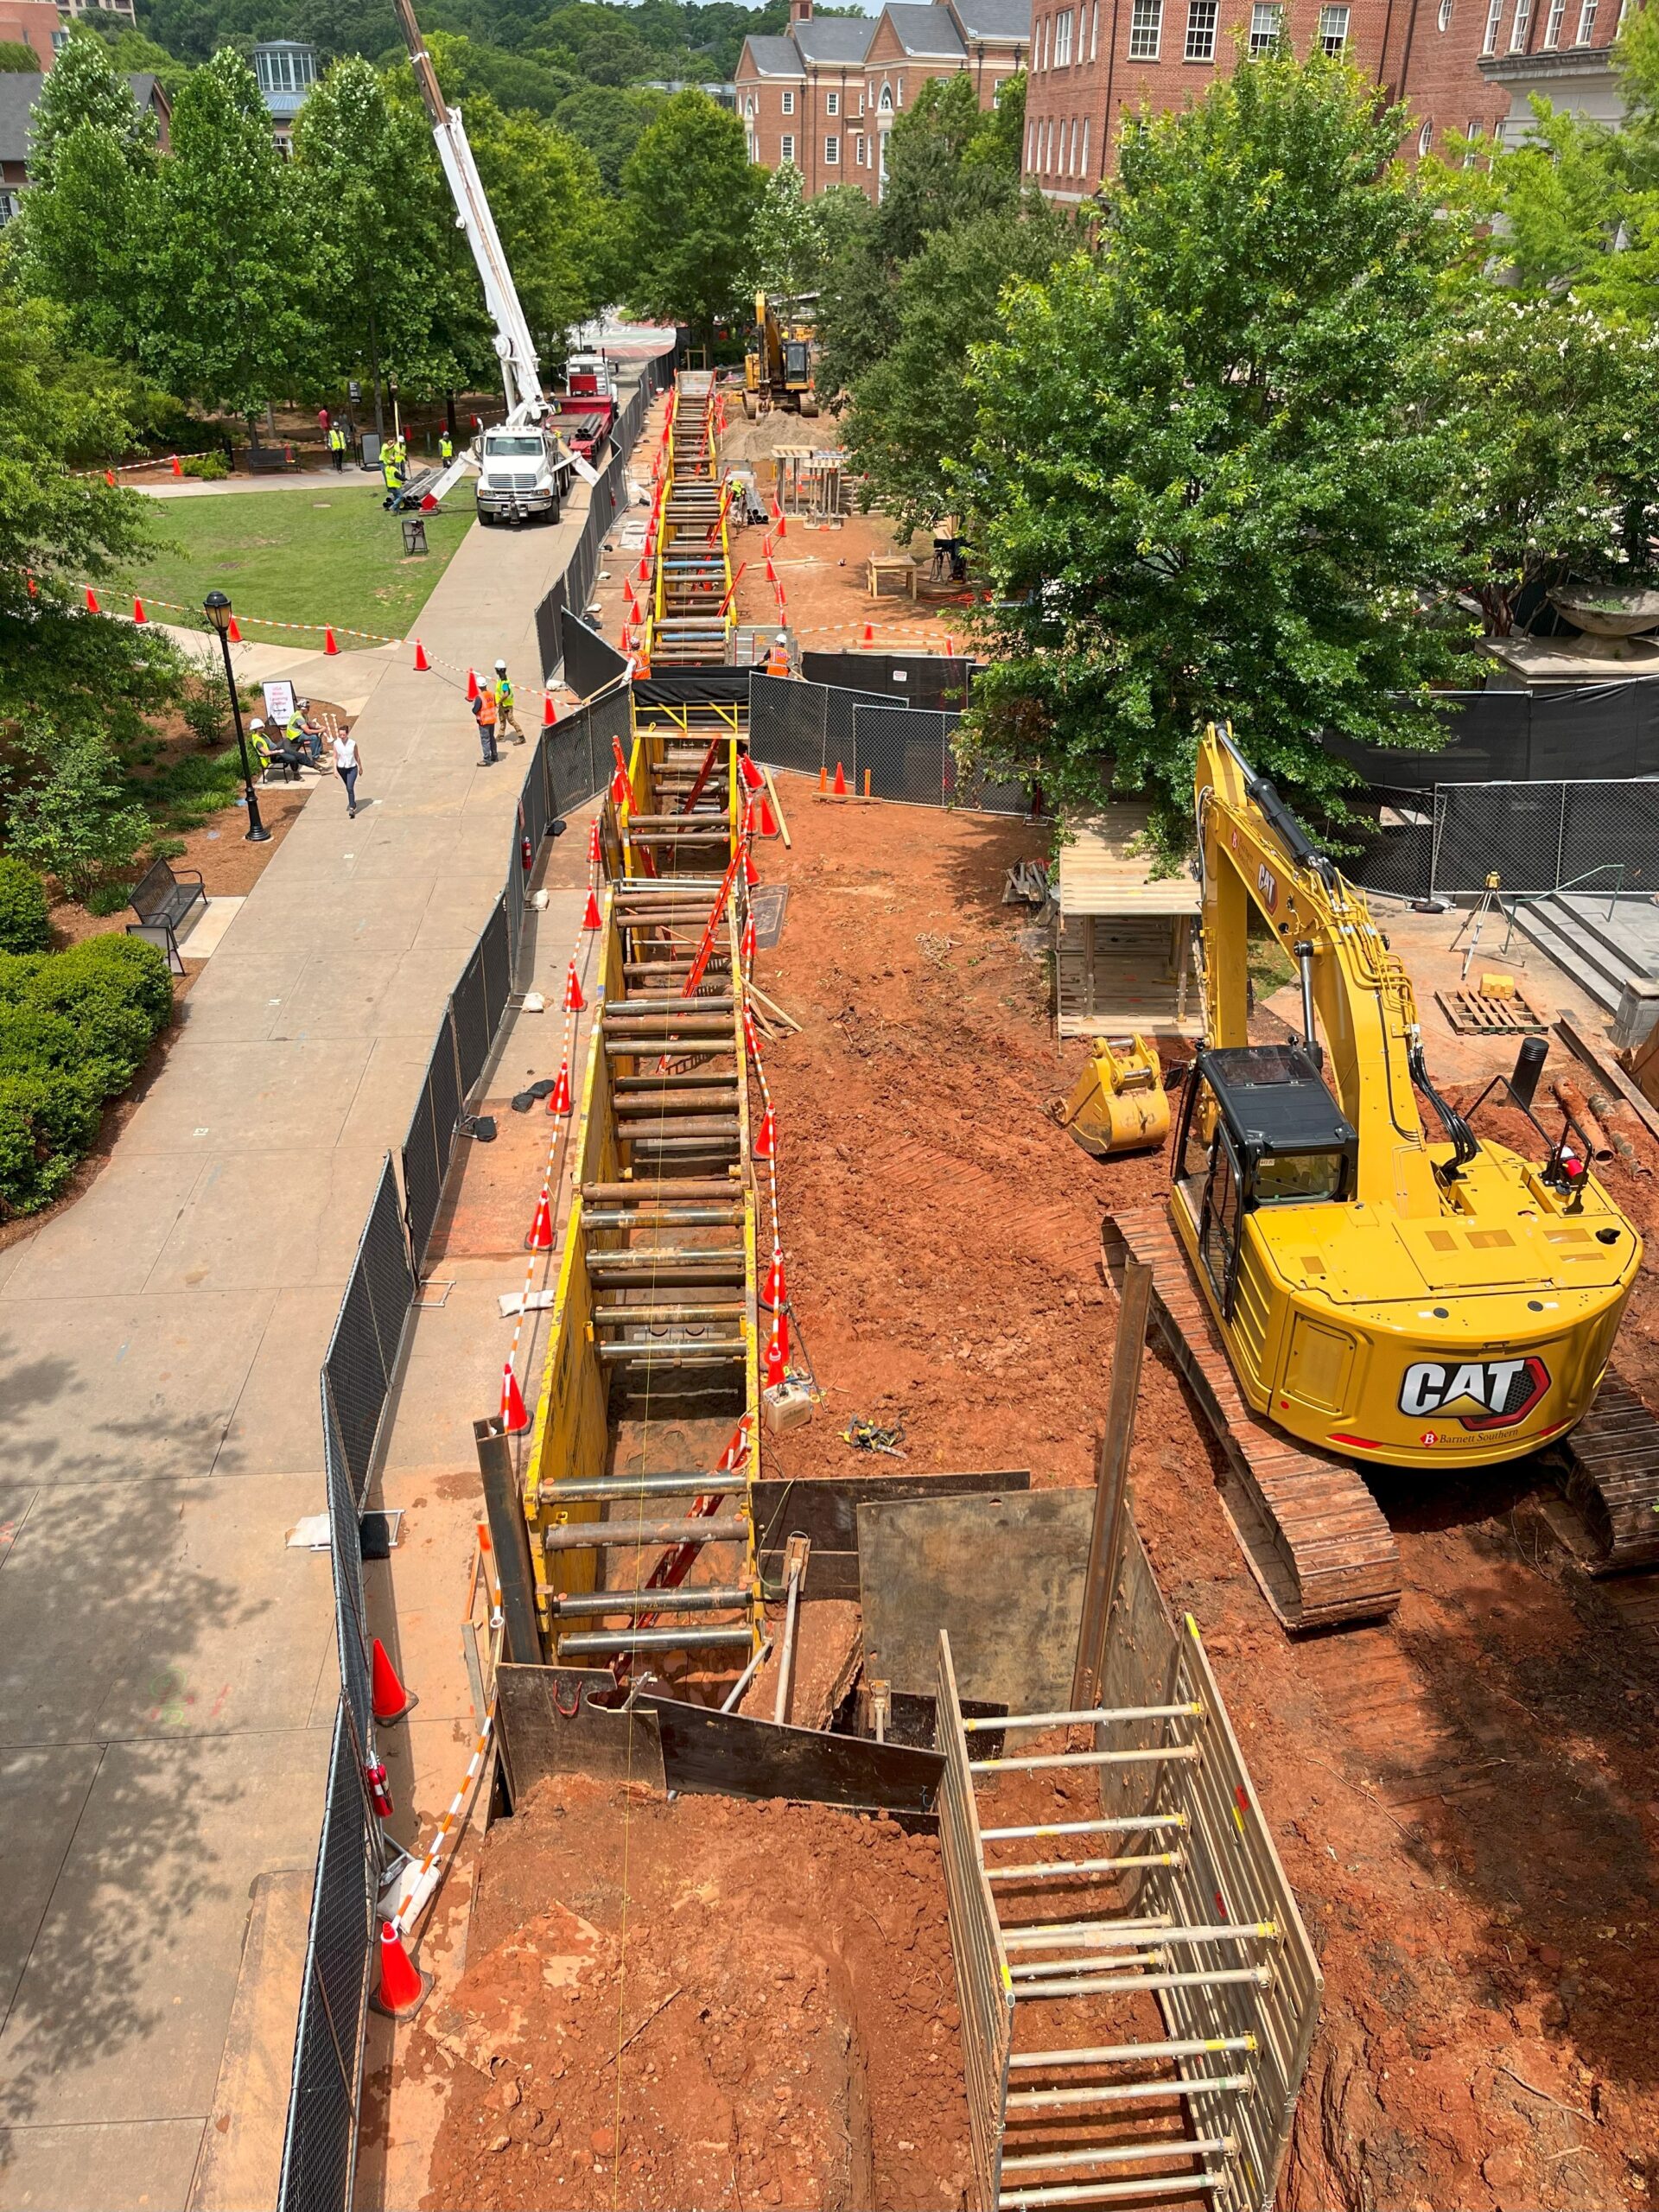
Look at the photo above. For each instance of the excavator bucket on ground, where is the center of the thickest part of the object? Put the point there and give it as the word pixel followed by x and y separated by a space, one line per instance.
pixel 1118 1103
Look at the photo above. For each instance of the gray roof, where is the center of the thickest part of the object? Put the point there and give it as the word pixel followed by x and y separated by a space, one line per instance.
pixel 1005 20
pixel 835 38
pixel 773 57
pixel 924 30
pixel 18 93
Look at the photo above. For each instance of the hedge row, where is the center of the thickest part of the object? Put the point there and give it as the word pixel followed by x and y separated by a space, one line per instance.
pixel 74 1028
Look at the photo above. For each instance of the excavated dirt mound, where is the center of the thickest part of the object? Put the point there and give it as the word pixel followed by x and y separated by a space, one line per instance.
pixel 699 2004
pixel 1465 1797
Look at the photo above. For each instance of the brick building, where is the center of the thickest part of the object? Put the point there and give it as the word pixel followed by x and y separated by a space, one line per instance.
pixel 1460 65
pixel 824 95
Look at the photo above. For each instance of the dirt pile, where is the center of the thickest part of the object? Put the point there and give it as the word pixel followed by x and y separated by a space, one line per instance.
pixel 699 2004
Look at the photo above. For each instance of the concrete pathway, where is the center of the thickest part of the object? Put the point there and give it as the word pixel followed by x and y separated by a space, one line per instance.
pixel 166 1667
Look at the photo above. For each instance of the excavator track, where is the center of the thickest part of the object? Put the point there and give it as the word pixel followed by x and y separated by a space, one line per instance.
pixel 1612 1461
pixel 1311 1534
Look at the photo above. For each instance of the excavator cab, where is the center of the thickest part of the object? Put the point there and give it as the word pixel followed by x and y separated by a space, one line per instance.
pixel 1259 1128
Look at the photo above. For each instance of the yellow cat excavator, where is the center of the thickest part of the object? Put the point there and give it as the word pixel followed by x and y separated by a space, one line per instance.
pixel 1367 1291
pixel 779 366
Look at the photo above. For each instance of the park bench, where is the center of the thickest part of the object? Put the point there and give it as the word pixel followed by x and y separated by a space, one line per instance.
pixel 161 900
pixel 271 460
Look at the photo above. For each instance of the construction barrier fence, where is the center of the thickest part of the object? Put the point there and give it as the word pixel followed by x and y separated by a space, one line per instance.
pixel 902 753
pixel 1535 837
pixel 570 763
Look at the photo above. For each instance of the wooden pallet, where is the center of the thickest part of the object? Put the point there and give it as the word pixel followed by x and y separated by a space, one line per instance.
pixel 1311 1532
pixel 1613 1477
pixel 1473 1014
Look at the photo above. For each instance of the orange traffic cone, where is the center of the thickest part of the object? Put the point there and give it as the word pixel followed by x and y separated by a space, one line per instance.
pixel 540 1238
pixel 233 633
pixel 550 713
pixel 751 873
pixel 174 458
pixel 869 633
pixel 776 1292
pixel 590 920
pixel 422 665
pixel 328 644
pixel 777 1353
pixel 138 613
pixel 390 1699
pixel 766 1142
pixel 752 778
pixel 621 789
pixel 514 1419
pixel 593 852
pixel 771 573
pixel 840 781
pixel 109 478
pixel 766 825
pixel 574 1001
pixel 949 647
pixel 558 1099
pixel 93 607
pixel 472 686
pixel 824 780
pixel 404 1988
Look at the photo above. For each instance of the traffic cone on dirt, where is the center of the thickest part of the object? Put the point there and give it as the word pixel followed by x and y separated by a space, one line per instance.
pixel 109 478
pixel 233 633
pixel 766 1142
pixel 93 607
pixel 823 781
pixel 423 666
pixel 840 781
pixel 869 633
pixel 751 873
pixel 591 918
pixel 558 1099
pixel 950 646
pixel 328 644
pixel 404 1988
pixel 177 470
pixel 138 613
pixel 514 1419
pixel 595 852
pixel 777 1353
pixel 765 823
pixel 574 1001
pixel 550 714
pixel 752 778
pixel 771 573
pixel 540 1238
pixel 390 1699
pixel 776 1292
pixel 472 686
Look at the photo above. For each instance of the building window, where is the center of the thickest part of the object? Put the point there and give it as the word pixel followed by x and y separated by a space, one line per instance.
pixel 1519 29
pixel 1587 22
pixel 997 84
pixel 859 152
pixel 786 147
pixel 1048 146
pixel 1082 165
pixel 1062 39
pixel 1333 29
pixel 1200 30
pixel 789 103
pixel 1039 47
pixel 832 103
pixel 1425 139
pixel 1267 21
pixel 831 153
pixel 1552 23
pixel 1094 30
pixel 1445 17
pixel 886 101
pixel 1146 30
pixel 59 40
pixel 1471 137
pixel 1494 17
pixel 898 91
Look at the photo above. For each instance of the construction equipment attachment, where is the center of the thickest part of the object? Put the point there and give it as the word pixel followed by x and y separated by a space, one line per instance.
pixel 1118 1103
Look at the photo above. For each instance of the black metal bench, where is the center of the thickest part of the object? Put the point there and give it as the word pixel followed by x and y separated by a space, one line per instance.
pixel 271 460
pixel 161 900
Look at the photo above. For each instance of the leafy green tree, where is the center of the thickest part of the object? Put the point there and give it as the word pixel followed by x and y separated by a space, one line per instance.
pixel 468 67
pixel 598 45
pixel 911 431
pixel 132 54
pixel 226 274
pixel 785 242
pixel 1216 460
pixel 689 196
pixel 610 123
pixel 18 59
pixel 544 192
pixel 70 815
pixel 85 90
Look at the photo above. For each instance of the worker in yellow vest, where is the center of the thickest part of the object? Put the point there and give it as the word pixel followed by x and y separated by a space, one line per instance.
pixel 446 447
pixel 506 721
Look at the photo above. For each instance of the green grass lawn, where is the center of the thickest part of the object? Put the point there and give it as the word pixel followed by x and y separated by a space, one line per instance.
pixel 332 556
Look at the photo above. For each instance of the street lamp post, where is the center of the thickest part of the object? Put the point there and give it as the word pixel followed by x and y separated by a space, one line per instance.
pixel 217 609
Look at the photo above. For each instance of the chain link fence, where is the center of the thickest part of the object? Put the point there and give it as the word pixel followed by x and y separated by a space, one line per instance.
pixel 904 753
pixel 1535 837
pixel 570 763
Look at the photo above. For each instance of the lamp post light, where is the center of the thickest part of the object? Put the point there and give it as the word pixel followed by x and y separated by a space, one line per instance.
pixel 217 609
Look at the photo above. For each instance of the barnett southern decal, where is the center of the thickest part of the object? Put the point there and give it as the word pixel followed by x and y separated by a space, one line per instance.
pixel 1478 1393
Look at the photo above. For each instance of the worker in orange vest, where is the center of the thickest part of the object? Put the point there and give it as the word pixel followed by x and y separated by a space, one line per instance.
pixel 778 658
pixel 487 712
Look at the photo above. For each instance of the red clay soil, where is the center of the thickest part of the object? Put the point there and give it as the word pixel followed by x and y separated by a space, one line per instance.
pixel 1465 1797
pixel 698 2003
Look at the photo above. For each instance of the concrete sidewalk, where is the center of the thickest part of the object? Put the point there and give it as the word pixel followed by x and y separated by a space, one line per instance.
pixel 167 1668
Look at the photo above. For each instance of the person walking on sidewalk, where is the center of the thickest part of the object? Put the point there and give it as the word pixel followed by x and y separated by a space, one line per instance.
pixel 506 721
pixel 347 762
pixel 484 708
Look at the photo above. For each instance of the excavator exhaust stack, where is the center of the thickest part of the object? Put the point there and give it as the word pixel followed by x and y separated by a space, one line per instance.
pixel 1118 1103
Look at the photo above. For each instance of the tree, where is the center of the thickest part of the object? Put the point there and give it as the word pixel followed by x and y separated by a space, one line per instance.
pixel 1216 460
pixel 910 430
pixel 468 67
pixel 227 275
pixel 609 122
pixel 18 59
pixel 85 90
pixel 544 192
pixel 690 195
pixel 786 241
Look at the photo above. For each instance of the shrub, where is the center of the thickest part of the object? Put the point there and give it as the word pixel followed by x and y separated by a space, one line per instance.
pixel 114 966
pixel 210 466
pixel 17 971
pixel 106 898
pixel 205 709
pixel 23 923
pixel 76 820
pixel 47 1121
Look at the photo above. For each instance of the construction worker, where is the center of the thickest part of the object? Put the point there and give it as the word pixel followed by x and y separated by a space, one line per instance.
pixel 337 445
pixel 778 658
pixel 506 721
pixel 391 471
pixel 487 716
pixel 304 735
pixel 446 447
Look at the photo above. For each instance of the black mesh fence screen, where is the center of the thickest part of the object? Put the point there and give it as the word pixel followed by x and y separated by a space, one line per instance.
pixel 792 715
pixel 550 640
pixel 346 1558
pixel 899 753
pixel 496 946
pixel 590 662
pixel 840 747
pixel 904 749
pixel 357 1378
pixel 431 1135
pixel 532 800
pixel 383 1258
pixel 471 1021
pixel 1397 854
pixel 1535 837
pixel 1514 830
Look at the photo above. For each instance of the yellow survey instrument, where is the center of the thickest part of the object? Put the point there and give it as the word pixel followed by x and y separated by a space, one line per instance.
pixel 1118 1103
pixel 1393 1296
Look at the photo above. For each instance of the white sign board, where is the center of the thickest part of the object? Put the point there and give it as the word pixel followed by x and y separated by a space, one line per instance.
pixel 279 701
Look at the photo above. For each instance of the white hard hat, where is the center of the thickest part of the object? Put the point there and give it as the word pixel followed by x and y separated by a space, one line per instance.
pixel 782 636
pixel 256 725
pixel 302 704
pixel 502 665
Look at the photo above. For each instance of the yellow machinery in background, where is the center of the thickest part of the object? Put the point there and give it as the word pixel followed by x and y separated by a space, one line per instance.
pixel 778 369
pixel 1390 1297
pixel 1118 1103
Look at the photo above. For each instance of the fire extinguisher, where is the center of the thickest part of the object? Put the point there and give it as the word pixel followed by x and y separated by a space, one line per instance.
pixel 525 853
pixel 379 1797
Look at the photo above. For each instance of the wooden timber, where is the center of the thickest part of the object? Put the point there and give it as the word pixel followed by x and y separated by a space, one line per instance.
pixel 1310 1531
